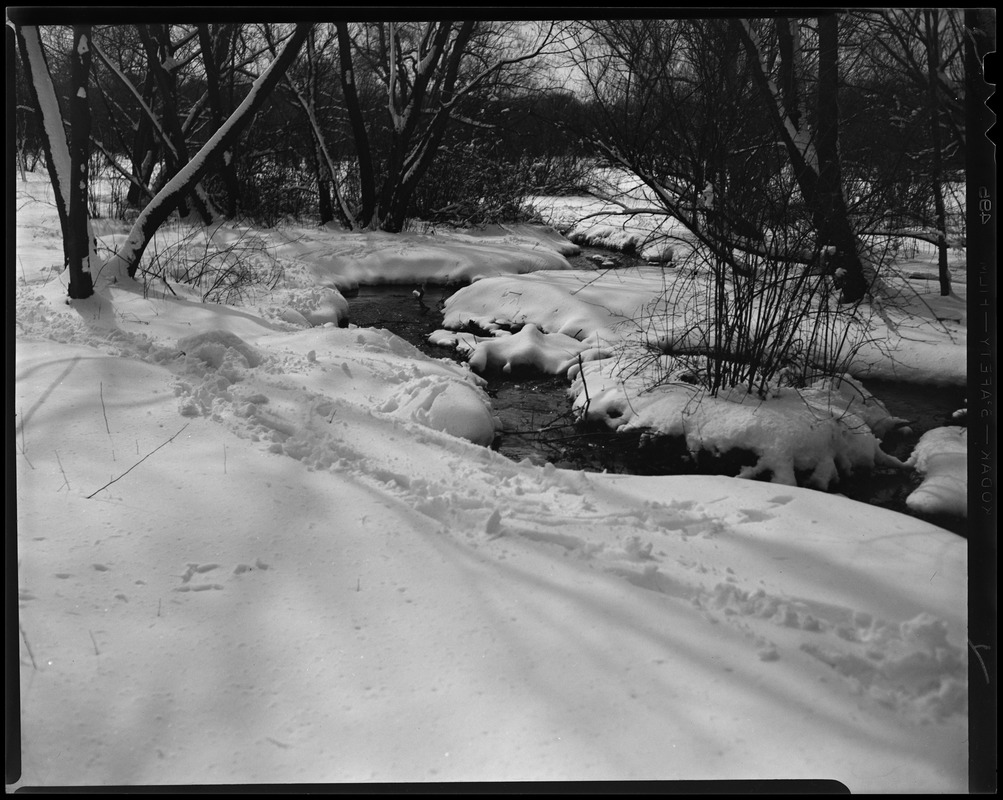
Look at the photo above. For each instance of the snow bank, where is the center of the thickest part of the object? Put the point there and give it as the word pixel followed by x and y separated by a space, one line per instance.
pixel 941 457
pixel 434 394
pixel 585 305
pixel 344 260
pixel 610 319
pixel 808 436
pixel 553 353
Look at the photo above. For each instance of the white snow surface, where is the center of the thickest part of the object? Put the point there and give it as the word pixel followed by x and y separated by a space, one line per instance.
pixel 344 260
pixel 941 456
pixel 255 551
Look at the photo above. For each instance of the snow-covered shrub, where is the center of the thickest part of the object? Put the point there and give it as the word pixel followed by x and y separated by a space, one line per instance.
pixel 814 436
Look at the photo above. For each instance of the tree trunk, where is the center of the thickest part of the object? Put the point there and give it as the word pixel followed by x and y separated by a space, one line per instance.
pixel 816 163
pixel 79 246
pixel 930 20
pixel 156 212
pixel 831 215
pixel 142 147
pixel 226 166
pixel 54 145
pixel 156 42
pixel 409 159
pixel 70 194
pixel 367 176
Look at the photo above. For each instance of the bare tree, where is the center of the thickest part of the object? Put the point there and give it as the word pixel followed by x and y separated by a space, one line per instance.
pixel 425 71
pixel 922 48
pixel 126 261
pixel 67 167
pixel 80 245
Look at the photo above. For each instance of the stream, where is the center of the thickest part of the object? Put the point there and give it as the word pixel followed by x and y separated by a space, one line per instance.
pixel 535 410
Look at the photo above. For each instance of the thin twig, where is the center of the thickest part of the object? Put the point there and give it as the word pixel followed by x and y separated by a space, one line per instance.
pixel 585 386
pixel 113 480
pixel 65 479
pixel 24 449
pixel 24 637
pixel 96 651
pixel 104 411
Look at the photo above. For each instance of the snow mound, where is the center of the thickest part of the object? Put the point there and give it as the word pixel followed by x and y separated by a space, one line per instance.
pixel 809 435
pixel 530 347
pixel 941 456
pixel 218 347
pixel 345 260
pixel 309 306
pixel 610 237
pixel 658 252
pixel 450 406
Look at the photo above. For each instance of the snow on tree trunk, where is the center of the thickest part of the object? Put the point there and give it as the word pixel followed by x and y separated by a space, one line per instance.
pixel 67 174
pixel 126 261
pixel 77 233
pixel 57 151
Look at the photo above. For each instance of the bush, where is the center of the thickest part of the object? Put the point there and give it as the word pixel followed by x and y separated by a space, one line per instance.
pixel 223 263
pixel 761 316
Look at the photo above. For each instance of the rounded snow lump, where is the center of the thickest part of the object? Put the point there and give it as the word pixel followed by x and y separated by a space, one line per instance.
pixel 211 346
pixel 452 406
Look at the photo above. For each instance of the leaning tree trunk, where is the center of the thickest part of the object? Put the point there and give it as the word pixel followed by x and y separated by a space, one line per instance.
pixel 159 209
pixel 156 42
pixel 43 98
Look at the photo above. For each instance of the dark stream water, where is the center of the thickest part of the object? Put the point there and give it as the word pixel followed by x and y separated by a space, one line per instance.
pixel 535 410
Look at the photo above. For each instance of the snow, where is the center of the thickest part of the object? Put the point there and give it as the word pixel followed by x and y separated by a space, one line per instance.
pixel 344 260
pixel 531 348
pixel 941 456
pixel 810 431
pixel 610 319
pixel 253 550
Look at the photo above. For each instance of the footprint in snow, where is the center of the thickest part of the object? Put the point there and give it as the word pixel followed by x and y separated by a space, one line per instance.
pixel 240 569
pixel 201 569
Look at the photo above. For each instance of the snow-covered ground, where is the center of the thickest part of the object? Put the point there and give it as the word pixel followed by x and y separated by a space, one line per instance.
pixel 254 546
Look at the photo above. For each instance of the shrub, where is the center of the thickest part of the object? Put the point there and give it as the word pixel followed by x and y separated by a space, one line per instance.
pixel 751 313
pixel 223 262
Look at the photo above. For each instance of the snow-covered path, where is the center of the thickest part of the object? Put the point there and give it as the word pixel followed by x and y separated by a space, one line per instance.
pixel 430 610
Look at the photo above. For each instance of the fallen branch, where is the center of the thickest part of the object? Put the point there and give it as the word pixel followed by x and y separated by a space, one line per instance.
pixel 113 480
